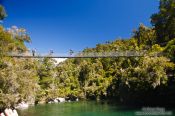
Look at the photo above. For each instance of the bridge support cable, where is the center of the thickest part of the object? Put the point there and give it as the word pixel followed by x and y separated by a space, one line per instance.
pixel 84 55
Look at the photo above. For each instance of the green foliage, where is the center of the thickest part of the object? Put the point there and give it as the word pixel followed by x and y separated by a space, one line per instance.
pixel 145 36
pixel 164 21
pixel 2 13
pixel 46 73
pixel 12 40
pixel 115 77
pixel 18 77
pixel 170 50
pixel 18 80
pixel 128 79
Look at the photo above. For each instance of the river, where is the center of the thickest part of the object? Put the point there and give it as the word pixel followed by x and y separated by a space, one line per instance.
pixel 79 109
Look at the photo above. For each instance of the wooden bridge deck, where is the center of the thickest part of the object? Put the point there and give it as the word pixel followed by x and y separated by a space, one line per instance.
pixel 84 55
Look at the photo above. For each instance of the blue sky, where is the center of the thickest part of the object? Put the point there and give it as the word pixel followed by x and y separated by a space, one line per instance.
pixel 76 24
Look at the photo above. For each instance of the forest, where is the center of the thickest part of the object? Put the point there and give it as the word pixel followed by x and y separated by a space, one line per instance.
pixel 129 80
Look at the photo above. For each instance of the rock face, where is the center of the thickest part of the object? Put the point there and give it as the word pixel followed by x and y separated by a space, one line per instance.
pixel 22 105
pixel 56 101
pixel 61 100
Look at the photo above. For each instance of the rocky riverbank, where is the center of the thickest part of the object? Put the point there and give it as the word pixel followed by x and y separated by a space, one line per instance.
pixel 24 105
pixel 57 100
pixel 9 112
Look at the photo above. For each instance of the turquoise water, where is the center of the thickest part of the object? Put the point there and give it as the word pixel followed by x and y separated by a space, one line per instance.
pixel 78 109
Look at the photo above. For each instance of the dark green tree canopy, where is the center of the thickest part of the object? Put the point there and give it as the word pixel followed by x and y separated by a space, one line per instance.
pixel 164 21
pixel 2 12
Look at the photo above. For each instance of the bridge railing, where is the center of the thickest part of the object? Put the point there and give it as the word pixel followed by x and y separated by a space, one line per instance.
pixel 83 54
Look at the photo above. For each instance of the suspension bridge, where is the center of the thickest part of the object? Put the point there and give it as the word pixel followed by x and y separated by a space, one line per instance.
pixel 114 54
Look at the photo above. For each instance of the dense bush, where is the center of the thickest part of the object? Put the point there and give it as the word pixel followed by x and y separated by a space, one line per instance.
pixel 149 79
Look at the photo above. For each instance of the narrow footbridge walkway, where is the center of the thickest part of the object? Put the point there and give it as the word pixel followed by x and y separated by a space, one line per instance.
pixel 85 55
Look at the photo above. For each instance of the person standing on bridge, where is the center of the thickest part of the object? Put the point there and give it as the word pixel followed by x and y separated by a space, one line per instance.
pixel 51 52
pixel 71 52
pixel 33 52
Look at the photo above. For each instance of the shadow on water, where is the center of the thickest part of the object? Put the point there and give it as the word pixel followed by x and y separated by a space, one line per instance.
pixel 84 108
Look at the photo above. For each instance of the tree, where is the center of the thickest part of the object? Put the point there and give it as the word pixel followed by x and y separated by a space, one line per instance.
pixel 144 80
pixel 18 81
pixel 46 73
pixel 13 40
pixel 145 35
pixel 18 77
pixel 170 50
pixel 2 12
pixel 164 21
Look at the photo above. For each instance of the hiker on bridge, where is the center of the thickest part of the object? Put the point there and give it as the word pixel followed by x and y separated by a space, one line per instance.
pixel 33 52
pixel 51 52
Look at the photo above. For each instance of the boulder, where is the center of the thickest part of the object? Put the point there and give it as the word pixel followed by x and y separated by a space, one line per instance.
pixel 61 99
pixel 22 105
pixel 77 99
pixel 55 101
